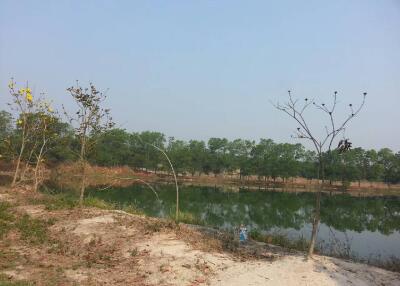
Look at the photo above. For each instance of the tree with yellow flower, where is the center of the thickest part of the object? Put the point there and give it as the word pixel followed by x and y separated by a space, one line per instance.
pixel 23 105
pixel 34 130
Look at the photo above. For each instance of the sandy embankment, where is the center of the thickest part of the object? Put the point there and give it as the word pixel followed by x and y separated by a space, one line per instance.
pixel 105 247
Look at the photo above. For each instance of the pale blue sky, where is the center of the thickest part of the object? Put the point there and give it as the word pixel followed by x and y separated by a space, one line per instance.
pixel 198 69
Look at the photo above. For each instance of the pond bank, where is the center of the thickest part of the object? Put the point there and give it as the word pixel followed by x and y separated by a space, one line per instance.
pixel 93 246
pixel 365 228
pixel 67 175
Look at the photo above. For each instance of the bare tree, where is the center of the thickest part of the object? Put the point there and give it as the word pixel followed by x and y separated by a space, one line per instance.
pixel 89 121
pixel 323 144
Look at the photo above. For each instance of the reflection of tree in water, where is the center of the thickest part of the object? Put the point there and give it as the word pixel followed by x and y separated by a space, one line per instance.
pixel 359 214
pixel 264 210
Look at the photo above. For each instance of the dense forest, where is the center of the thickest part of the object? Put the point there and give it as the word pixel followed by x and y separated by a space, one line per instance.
pixel 265 158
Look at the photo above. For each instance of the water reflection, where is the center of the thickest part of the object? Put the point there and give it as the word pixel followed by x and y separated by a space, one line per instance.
pixel 370 225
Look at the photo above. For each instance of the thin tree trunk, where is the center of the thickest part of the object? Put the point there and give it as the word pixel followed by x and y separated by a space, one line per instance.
pixel 35 187
pixel 83 162
pixel 14 181
pixel 22 177
pixel 83 183
pixel 176 181
pixel 317 211
pixel 315 225
pixel 39 159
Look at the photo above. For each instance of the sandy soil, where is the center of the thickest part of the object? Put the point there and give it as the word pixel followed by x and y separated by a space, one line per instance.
pixel 182 264
pixel 105 247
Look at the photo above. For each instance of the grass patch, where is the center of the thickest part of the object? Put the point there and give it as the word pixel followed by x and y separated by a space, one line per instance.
pixel 4 281
pixel 4 211
pixel 132 210
pixel 188 218
pixel 98 203
pixel 33 230
pixel 185 217
pixel 6 218
pixel 59 201
pixel 8 259
pixel 53 199
pixel 69 200
pixel 281 240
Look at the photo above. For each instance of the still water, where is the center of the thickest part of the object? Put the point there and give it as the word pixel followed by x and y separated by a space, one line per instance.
pixel 364 227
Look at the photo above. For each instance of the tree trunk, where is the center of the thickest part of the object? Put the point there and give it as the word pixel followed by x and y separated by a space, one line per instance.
pixel 315 225
pixel 83 172
pixel 38 162
pixel 36 174
pixel 14 181
pixel 83 183
pixel 37 180
pixel 316 218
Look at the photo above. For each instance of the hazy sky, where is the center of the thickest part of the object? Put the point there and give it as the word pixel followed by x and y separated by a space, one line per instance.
pixel 198 69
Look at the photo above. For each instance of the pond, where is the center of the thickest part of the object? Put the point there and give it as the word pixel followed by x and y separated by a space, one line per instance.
pixel 363 227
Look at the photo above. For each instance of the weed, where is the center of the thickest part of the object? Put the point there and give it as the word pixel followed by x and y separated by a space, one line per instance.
pixel 134 252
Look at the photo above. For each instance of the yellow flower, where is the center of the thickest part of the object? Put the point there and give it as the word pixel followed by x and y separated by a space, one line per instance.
pixel 28 90
pixel 21 90
pixel 11 85
pixel 29 97
pixel 19 121
pixel 49 109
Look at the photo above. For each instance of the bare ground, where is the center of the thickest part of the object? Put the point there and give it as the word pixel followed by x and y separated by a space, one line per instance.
pixel 105 247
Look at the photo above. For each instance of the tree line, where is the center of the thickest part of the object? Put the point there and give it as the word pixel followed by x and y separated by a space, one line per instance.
pixel 265 158
pixel 34 134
